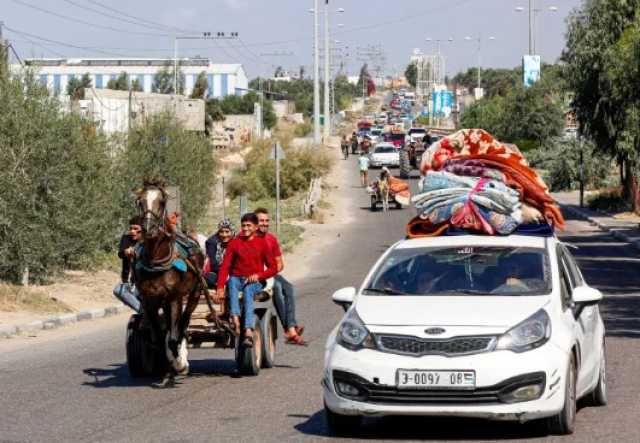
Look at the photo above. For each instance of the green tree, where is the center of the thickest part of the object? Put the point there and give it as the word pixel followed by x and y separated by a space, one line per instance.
pixel 136 85
pixel 62 202
pixel 601 56
pixel 279 72
pixel 162 148
pixel 201 86
pixel 164 80
pixel 363 79
pixel 411 74
pixel 120 83
pixel 76 86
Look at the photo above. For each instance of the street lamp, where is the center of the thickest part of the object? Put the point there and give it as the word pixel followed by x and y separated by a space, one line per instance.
pixel 479 40
pixel 316 75
pixel 532 24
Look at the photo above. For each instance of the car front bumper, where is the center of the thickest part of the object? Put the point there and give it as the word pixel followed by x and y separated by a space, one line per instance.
pixel 376 372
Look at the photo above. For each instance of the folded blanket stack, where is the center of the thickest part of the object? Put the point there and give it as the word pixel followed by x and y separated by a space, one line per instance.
pixel 472 181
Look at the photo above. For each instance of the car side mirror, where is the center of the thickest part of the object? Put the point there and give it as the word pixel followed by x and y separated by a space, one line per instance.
pixel 584 296
pixel 344 297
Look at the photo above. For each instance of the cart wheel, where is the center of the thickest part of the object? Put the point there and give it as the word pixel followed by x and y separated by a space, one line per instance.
pixel 269 330
pixel 140 355
pixel 249 360
pixel 374 202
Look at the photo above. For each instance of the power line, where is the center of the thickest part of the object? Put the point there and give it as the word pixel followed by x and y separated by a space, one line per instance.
pixel 59 43
pixel 77 20
pixel 137 22
pixel 93 2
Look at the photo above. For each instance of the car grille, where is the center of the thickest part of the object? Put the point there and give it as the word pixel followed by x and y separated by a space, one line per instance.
pixel 399 344
pixel 384 394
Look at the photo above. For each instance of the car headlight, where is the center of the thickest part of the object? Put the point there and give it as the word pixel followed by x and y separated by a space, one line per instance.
pixel 528 334
pixel 352 333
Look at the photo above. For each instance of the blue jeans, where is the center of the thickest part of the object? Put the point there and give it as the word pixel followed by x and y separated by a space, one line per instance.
pixel 284 300
pixel 235 285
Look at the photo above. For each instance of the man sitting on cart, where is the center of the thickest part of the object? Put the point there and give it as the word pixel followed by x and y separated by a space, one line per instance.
pixel 216 246
pixel 247 261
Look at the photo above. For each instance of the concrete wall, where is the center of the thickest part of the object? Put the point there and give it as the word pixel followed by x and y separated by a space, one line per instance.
pixel 110 109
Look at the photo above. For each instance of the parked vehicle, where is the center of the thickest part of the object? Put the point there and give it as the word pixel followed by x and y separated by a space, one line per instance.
pixel 495 327
pixel 384 154
pixel 396 137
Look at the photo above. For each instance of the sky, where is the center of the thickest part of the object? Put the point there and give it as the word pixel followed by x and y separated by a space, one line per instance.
pixel 280 32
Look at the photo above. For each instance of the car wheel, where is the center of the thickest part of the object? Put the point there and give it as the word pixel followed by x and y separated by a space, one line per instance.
pixel 339 424
pixel 564 422
pixel 599 395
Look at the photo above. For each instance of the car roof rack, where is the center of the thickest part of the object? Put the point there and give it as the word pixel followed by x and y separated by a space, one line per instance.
pixel 530 229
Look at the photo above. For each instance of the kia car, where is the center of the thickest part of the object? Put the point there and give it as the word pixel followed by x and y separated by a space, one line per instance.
pixel 494 327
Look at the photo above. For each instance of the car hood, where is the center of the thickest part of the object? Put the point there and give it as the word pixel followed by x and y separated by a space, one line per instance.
pixel 499 311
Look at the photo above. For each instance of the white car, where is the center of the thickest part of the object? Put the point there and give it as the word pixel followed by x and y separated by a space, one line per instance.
pixel 384 154
pixel 493 327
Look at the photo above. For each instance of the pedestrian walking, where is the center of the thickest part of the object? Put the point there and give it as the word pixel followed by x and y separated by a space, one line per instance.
pixel 363 165
pixel 344 146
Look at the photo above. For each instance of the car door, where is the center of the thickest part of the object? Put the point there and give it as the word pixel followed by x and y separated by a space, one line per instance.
pixel 589 318
pixel 582 325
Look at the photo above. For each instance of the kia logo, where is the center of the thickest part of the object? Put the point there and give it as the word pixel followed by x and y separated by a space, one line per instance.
pixel 434 331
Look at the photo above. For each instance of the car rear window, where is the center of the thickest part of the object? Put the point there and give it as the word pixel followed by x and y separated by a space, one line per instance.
pixel 385 149
pixel 486 270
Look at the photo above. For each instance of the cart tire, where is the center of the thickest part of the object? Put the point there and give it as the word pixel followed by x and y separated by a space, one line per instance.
pixel 249 360
pixel 269 328
pixel 374 203
pixel 405 165
pixel 141 358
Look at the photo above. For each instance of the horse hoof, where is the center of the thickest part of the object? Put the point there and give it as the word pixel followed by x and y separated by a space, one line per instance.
pixel 184 370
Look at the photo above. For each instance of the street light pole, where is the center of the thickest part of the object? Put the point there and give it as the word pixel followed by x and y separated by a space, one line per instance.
pixel 316 75
pixel 327 75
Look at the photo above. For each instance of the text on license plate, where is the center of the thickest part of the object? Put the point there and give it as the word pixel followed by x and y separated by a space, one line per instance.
pixel 436 379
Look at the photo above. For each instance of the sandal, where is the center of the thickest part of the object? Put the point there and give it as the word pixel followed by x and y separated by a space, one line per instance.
pixel 296 340
pixel 248 342
pixel 299 329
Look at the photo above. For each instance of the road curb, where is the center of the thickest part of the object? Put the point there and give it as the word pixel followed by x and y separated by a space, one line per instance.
pixel 612 231
pixel 8 331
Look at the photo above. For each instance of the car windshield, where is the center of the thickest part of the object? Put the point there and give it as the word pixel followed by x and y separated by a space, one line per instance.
pixel 485 270
pixel 375 132
pixel 385 149
pixel 396 137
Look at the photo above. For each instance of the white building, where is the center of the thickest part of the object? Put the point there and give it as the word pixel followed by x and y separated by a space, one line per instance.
pixel 223 79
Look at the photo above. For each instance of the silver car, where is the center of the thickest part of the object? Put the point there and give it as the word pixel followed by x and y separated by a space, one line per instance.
pixel 384 154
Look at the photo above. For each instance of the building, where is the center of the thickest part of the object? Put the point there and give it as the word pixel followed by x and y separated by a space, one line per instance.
pixel 223 79
pixel 115 111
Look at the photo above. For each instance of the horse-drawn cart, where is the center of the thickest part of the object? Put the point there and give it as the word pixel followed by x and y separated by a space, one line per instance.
pixel 208 329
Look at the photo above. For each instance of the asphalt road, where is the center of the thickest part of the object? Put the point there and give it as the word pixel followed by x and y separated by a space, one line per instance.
pixel 73 384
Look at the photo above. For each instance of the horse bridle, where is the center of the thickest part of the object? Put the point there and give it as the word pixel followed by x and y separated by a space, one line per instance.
pixel 158 219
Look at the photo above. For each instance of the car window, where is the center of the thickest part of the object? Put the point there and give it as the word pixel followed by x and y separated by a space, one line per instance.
pixel 385 149
pixel 572 266
pixel 565 288
pixel 490 270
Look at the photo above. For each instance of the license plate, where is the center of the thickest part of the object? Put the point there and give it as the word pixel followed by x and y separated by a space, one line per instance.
pixel 407 379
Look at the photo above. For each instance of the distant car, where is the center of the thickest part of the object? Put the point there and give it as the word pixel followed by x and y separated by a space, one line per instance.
pixel 384 154
pixel 416 134
pixel 376 135
pixel 494 327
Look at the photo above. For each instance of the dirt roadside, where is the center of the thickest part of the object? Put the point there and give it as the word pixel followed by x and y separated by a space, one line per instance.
pixel 80 291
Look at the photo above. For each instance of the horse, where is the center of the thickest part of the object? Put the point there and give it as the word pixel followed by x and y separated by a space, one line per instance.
pixel 160 284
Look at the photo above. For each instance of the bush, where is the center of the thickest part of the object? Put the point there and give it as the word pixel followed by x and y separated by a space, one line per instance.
pixel 561 159
pixel 60 202
pixel 303 129
pixel 161 148
pixel 257 179
pixel 610 200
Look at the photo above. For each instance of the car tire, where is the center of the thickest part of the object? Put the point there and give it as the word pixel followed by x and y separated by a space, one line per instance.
pixel 563 423
pixel 599 395
pixel 340 425
pixel 405 165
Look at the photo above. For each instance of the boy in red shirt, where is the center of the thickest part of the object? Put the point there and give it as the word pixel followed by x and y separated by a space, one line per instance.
pixel 244 265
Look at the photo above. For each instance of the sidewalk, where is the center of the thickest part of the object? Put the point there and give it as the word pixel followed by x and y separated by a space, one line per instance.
pixel 624 230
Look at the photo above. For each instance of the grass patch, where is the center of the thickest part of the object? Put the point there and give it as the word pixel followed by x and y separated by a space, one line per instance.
pixel 18 298
pixel 609 200
pixel 290 235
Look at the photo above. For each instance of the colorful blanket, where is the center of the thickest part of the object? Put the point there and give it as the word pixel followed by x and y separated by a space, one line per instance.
pixel 475 153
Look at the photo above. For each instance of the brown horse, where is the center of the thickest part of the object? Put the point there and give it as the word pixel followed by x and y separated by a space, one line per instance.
pixel 160 284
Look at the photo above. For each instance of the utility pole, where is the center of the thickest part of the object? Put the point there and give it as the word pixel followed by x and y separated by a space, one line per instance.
pixel 4 52
pixel 327 60
pixel 316 75
pixel 531 18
